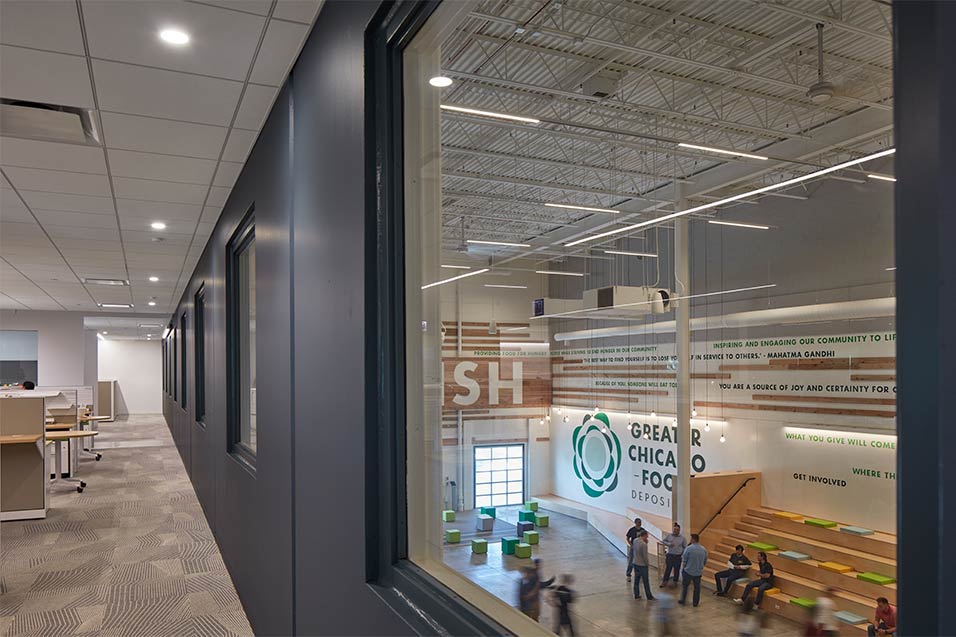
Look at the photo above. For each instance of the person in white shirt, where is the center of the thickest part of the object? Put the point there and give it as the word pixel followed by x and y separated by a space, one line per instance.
pixel 823 613
pixel 675 543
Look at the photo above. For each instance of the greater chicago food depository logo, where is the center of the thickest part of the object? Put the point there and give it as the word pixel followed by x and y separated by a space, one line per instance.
pixel 597 455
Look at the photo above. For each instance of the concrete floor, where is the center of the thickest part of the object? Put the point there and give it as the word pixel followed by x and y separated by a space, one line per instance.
pixel 605 603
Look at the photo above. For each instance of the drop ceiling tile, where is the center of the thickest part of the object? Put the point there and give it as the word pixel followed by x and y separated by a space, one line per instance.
pixel 170 236
pixel 210 214
pixel 260 7
pixel 222 43
pixel 279 50
pixel 52 25
pixel 255 106
pixel 107 247
pixel 66 235
pixel 218 196
pixel 138 90
pixel 31 153
pixel 41 76
pixel 227 173
pixel 148 134
pixel 125 163
pixel 239 144
pixel 75 219
pixel 9 303
pixel 15 214
pixel 165 191
pixel 133 211
pixel 58 181
pixel 205 229
pixel 298 10
pixel 78 203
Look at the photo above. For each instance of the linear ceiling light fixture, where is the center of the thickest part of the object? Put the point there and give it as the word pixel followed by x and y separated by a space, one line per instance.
pixel 631 254
pixel 456 267
pixel 506 287
pixel 739 225
pixel 743 195
pixel 475 111
pixel 117 305
pixel 881 177
pixel 722 151
pixel 499 243
pixel 558 273
pixel 588 208
pixel 106 281
pixel 455 278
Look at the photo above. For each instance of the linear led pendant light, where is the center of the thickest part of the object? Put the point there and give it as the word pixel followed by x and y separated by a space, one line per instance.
pixel 588 208
pixel 721 151
pixel 475 111
pixel 739 225
pixel 558 273
pixel 454 278
pixel 875 176
pixel 631 254
pixel 456 267
pixel 506 244
pixel 726 200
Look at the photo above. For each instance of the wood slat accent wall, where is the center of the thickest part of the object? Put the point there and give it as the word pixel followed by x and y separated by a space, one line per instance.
pixel 590 392
pixel 800 410
pixel 852 400
pixel 872 377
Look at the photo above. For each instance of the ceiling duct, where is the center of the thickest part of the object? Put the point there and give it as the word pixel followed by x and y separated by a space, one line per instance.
pixel 49 122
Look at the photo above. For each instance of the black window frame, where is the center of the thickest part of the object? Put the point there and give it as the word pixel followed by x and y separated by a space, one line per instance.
pixel 405 586
pixel 243 236
pixel 162 344
pixel 183 363
pixel 199 355
pixel 173 365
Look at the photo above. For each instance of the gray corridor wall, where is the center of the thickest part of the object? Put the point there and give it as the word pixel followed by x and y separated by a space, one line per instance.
pixel 293 533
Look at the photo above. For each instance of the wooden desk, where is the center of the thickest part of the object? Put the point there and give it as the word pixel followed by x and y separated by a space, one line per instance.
pixel 60 426
pixel 66 436
pixel 59 436
pixel 19 439
pixel 93 418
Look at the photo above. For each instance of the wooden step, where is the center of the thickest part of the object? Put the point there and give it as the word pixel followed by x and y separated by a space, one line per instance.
pixel 761 512
pixel 746 526
pixel 826 552
pixel 745 537
pixel 756 521
pixel 881 544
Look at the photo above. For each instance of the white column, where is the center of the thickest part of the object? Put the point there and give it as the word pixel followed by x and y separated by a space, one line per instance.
pixel 681 495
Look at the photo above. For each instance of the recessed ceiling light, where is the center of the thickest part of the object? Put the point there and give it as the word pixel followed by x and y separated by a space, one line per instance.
pixel 440 81
pixel 500 243
pixel 150 325
pixel 105 332
pixel 158 225
pixel 174 36
pixel 154 279
pixel 117 305
pixel 151 303
pixel 474 111
pixel 105 281
pixel 631 254
pixel 721 151
pixel 739 225
pixel 588 208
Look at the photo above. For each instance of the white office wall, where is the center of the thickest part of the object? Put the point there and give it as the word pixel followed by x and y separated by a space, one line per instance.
pixel 137 368
pixel 61 350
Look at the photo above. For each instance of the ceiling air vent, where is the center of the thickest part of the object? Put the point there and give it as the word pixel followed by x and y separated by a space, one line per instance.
pixel 51 122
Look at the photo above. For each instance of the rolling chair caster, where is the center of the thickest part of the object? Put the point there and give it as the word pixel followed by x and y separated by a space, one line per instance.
pixel 79 489
pixel 82 484
pixel 98 457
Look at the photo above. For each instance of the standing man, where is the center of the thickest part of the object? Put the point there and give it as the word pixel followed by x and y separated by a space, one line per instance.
pixel 762 583
pixel 675 544
pixel 884 623
pixel 642 564
pixel 629 539
pixel 692 568
pixel 737 567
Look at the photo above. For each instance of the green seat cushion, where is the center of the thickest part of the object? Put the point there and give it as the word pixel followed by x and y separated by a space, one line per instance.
pixel 525 516
pixel 856 530
pixel 479 546
pixel 825 524
pixel 876 578
pixel 508 545
pixel 452 536
pixel 541 520
pixel 530 537
pixel 762 546
pixel 803 602
pixel 794 555
pixel 523 550
pixel 531 505
pixel 488 511
pixel 448 516
pixel 847 617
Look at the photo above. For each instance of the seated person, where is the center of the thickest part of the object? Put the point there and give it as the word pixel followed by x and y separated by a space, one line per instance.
pixel 738 565
pixel 762 583
pixel 884 623
pixel 28 385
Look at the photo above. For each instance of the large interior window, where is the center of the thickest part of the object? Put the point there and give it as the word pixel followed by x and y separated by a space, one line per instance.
pixel 199 326
pixel 242 339
pixel 182 361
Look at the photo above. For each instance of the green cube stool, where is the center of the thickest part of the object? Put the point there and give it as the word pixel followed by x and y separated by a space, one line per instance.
pixel 508 545
pixel 523 550
pixel 452 536
pixel 762 546
pixel 823 524
pixel 448 516
pixel 479 546
pixel 488 511
pixel 530 537
pixel 530 505
pixel 876 578
pixel 541 520
pixel 803 602
pixel 525 516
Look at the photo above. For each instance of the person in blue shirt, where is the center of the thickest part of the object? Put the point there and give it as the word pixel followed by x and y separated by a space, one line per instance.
pixel 675 544
pixel 692 568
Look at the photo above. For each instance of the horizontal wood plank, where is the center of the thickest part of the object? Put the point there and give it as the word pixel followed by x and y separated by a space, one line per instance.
pixel 831 411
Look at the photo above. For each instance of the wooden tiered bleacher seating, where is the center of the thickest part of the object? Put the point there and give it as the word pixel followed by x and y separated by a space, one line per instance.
pixel 831 558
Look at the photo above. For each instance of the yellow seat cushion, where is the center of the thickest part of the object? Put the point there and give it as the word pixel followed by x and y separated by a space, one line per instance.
pixel 787 515
pixel 836 567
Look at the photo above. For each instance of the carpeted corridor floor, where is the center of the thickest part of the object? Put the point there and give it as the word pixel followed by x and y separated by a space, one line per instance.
pixel 132 555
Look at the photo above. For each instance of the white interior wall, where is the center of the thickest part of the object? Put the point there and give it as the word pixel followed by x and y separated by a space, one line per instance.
pixel 61 351
pixel 136 366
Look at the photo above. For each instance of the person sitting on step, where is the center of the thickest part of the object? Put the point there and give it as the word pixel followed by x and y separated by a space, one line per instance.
pixel 737 568
pixel 885 620
pixel 762 583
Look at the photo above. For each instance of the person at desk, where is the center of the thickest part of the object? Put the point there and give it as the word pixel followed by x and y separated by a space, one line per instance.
pixel 737 567
pixel 28 385
pixel 762 583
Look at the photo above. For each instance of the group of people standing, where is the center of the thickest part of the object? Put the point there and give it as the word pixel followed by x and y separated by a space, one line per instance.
pixel 685 562
pixel 530 591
